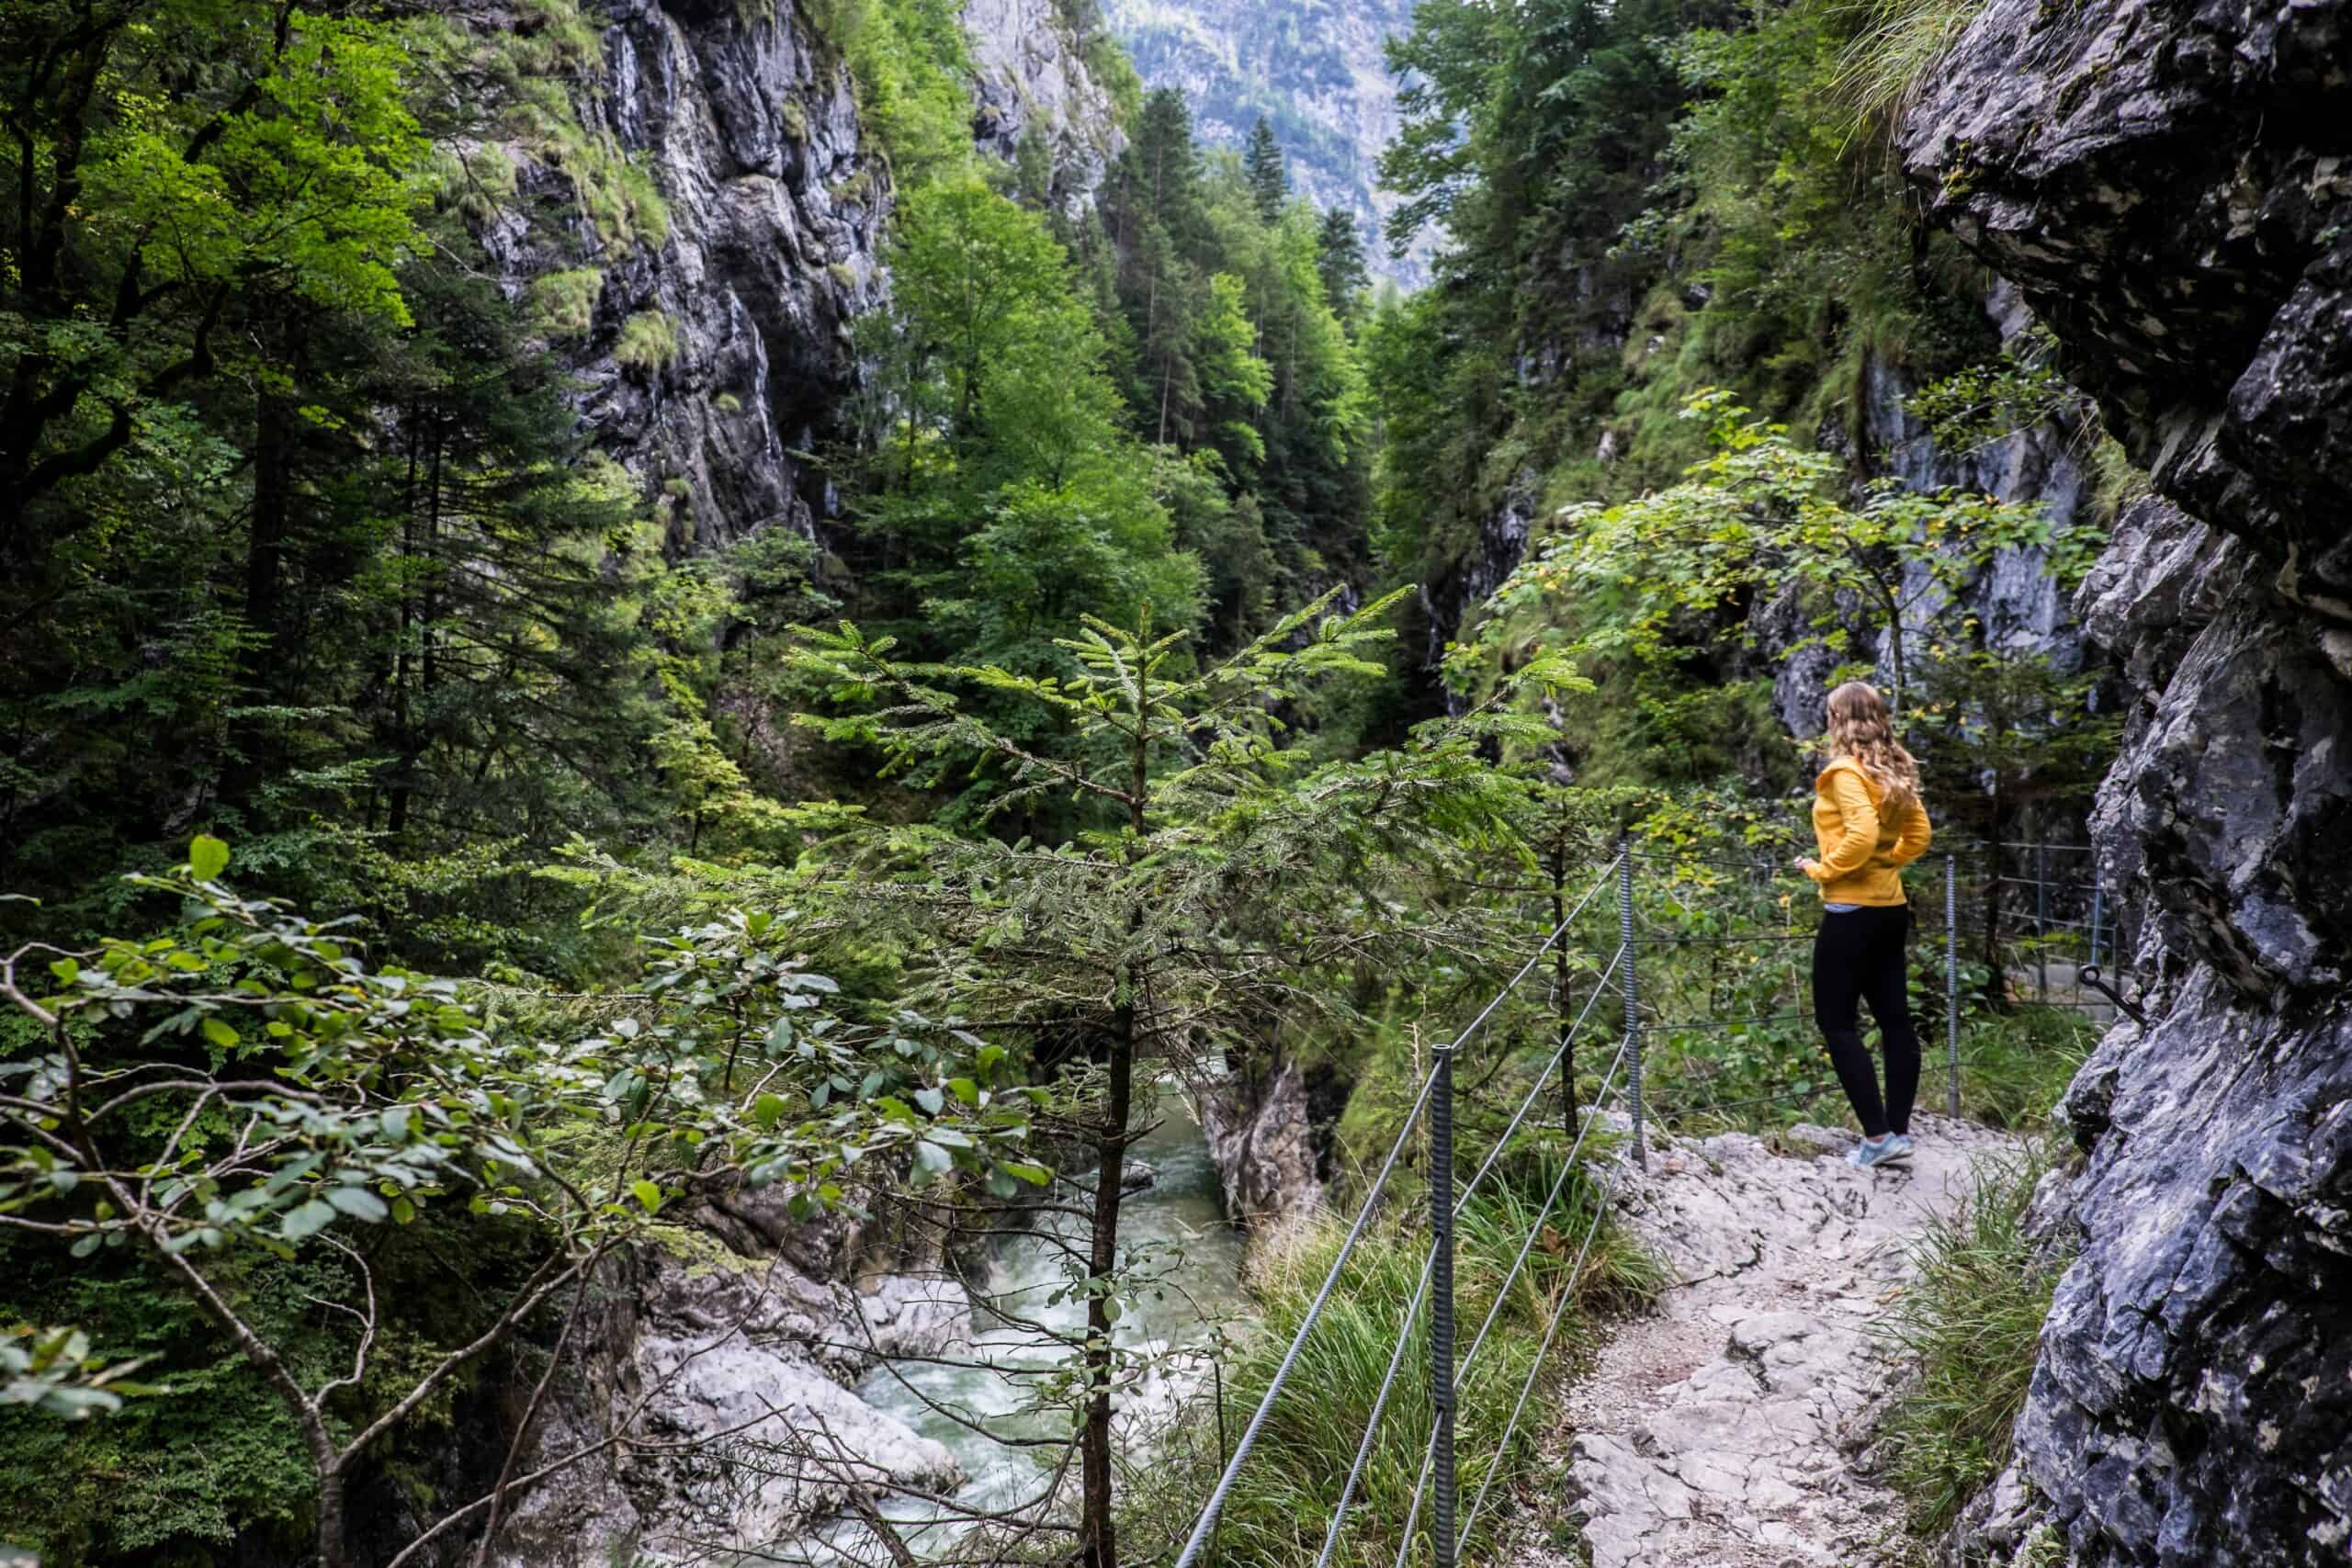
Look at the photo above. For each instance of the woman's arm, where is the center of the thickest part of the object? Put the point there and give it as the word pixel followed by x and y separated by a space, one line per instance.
pixel 1915 836
pixel 1857 827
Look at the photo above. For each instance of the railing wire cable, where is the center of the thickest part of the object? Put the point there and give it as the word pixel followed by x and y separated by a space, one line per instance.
pixel 1372 1427
pixel 1207 1521
pixel 1543 1081
pixel 1567 1299
pixel 1559 1184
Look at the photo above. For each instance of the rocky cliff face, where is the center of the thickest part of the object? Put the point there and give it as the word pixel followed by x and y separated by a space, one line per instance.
pixel 1031 84
pixel 2168 184
pixel 2015 598
pixel 712 360
pixel 713 357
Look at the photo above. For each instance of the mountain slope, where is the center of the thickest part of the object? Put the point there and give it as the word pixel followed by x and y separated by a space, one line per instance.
pixel 1313 68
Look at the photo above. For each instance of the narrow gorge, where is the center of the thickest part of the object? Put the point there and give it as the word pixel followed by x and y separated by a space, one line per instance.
pixel 1021 781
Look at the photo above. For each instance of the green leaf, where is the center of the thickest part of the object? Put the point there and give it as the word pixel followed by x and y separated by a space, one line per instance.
pixel 933 1159
pixel 767 1110
pixel 649 1196
pixel 208 857
pixel 220 1034
pixel 359 1203
pixel 307 1220
pixel 1035 1175
pixel 931 1101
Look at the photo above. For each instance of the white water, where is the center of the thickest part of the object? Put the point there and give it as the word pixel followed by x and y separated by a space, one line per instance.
pixel 1184 1291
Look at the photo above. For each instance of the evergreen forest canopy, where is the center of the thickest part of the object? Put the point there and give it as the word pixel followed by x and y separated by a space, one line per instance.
pixel 388 768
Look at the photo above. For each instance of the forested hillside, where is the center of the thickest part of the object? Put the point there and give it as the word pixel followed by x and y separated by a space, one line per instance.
pixel 671 673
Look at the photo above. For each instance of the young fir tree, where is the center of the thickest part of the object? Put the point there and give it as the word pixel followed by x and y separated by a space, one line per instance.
pixel 1269 177
pixel 1339 259
pixel 1226 877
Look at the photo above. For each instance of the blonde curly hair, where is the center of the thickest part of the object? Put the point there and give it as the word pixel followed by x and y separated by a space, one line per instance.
pixel 1860 728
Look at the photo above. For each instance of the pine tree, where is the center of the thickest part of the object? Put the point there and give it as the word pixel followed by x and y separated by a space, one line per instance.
pixel 1340 257
pixel 1269 179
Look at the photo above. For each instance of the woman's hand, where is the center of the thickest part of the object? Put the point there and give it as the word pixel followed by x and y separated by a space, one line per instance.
pixel 1806 864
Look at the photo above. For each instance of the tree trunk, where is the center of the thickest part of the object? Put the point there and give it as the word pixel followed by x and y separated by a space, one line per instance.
pixel 1097 1532
pixel 332 1552
pixel 265 541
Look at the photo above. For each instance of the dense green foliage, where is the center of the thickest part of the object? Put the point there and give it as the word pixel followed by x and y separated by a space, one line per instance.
pixel 304 542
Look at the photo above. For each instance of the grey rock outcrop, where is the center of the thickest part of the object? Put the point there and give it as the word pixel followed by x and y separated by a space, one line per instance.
pixel 2168 185
pixel 739 350
pixel 1031 80
pixel 711 1398
pixel 1262 1135
pixel 2015 600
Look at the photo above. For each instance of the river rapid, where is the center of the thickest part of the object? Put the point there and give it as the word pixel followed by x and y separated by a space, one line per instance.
pixel 1188 1295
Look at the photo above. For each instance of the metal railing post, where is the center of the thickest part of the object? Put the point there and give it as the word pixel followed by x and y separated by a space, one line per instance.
pixel 1633 996
pixel 2098 911
pixel 1442 1308
pixel 1951 980
pixel 2040 917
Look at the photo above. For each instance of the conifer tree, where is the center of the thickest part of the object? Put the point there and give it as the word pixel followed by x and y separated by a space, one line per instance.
pixel 1268 179
pixel 1340 258
pixel 1227 875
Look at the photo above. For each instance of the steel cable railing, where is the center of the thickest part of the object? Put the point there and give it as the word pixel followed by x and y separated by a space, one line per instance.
pixel 1536 1366
pixel 1620 1086
pixel 1437 1077
pixel 1215 1505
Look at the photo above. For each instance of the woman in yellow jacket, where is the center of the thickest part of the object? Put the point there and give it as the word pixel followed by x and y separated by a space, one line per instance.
pixel 1870 823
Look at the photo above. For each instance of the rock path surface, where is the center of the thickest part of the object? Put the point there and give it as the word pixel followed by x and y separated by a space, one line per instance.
pixel 1713 1433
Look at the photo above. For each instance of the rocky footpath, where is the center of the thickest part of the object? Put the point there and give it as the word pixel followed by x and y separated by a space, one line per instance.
pixel 1717 1430
pixel 2168 185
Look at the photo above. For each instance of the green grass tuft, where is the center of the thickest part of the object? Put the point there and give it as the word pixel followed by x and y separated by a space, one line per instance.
pixel 1283 1500
pixel 1970 1322
pixel 1896 45
pixel 649 340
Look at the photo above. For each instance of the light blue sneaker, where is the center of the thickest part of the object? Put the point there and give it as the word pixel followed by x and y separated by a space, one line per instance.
pixel 1894 1147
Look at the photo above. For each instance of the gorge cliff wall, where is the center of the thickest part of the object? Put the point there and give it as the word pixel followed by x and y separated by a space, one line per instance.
pixel 2168 183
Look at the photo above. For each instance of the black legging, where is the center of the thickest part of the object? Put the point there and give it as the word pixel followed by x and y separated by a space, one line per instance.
pixel 1858 954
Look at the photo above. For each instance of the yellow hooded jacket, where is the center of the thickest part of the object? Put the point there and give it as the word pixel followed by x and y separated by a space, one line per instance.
pixel 1862 853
